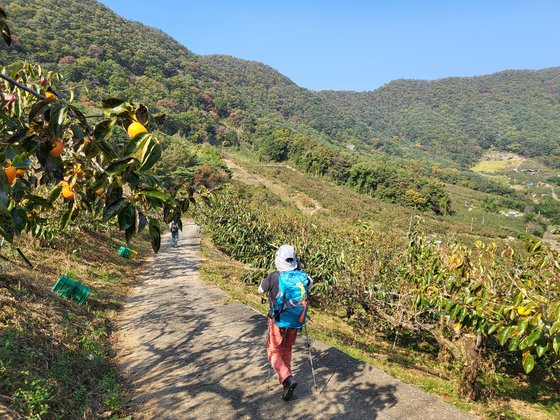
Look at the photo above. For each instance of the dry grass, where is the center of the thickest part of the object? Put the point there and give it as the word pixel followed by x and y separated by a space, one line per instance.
pixel 302 201
pixel 55 356
pixel 491 166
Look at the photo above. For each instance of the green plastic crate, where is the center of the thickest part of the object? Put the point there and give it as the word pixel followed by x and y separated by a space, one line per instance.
pixel 127 253
pixel 70 289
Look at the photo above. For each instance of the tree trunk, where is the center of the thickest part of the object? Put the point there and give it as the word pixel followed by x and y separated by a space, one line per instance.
pixel 472 365
pixel 445 356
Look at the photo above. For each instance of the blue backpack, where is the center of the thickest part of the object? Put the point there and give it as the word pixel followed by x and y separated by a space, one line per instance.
pixel 291 302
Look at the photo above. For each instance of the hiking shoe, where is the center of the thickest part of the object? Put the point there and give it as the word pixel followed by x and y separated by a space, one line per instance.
pixel 289 386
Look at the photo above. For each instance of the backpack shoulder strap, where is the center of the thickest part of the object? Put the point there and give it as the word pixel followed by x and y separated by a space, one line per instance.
pixel 281 292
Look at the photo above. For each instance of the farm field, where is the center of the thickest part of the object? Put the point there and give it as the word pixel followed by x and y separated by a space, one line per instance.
pixel 415 364
pixel 469 219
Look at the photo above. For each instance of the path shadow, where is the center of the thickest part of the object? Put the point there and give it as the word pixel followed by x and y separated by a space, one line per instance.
pixel 191 354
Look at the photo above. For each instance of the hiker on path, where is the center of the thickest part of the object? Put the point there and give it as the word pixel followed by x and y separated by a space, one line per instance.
pixel 174 228
pixel 287 291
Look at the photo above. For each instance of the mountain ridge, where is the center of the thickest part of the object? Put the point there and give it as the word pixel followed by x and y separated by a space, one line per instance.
pixel 404 79
pixel 453 120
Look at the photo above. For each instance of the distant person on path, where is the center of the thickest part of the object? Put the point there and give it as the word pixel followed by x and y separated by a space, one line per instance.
pixel 174 228
pixel 287 291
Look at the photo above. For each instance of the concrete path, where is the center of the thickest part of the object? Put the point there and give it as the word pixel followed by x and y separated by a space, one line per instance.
pixel 189 354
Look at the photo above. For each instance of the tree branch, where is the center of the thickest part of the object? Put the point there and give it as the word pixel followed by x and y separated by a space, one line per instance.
pixel 21 86
pixel 412 326
pixel 22 255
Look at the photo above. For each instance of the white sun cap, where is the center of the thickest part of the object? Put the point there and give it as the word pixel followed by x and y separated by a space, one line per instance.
pixel 286 259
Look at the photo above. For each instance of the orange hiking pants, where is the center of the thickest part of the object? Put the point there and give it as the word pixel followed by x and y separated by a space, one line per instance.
pixel 279 348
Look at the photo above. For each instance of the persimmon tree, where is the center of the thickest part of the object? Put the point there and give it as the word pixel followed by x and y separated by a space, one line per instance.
pixel 59 167
pixel 465 296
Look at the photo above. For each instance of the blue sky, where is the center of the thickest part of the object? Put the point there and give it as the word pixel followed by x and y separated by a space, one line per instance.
pixel 361 45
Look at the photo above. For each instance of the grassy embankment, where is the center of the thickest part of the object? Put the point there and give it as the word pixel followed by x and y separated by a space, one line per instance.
pixel 55 356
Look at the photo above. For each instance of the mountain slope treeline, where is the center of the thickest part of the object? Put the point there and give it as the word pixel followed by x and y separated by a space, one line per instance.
pixel 451 120
pixel 215 99
pixel 515 111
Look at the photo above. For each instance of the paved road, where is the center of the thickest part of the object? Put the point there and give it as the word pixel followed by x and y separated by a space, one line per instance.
pixel 190 354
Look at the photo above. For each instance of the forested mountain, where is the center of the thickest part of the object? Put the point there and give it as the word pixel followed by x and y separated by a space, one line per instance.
pixel 219 98
pixel 397 143
pixel 216 99
pixel 269 91
pixel 86 40
pixel 517 111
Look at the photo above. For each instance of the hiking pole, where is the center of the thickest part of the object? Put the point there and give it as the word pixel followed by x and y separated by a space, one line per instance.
pixel 268 379
pixel 269 365
pixel 310 358
pixel 266 346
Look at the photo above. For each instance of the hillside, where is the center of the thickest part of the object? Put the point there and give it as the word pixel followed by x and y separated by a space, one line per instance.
pixel 416 261
pixel 217 100
pixel 268 91
pixel 56 356
pixel 399 143
pixel 225 100
pixel 86 40
pixel 515 111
